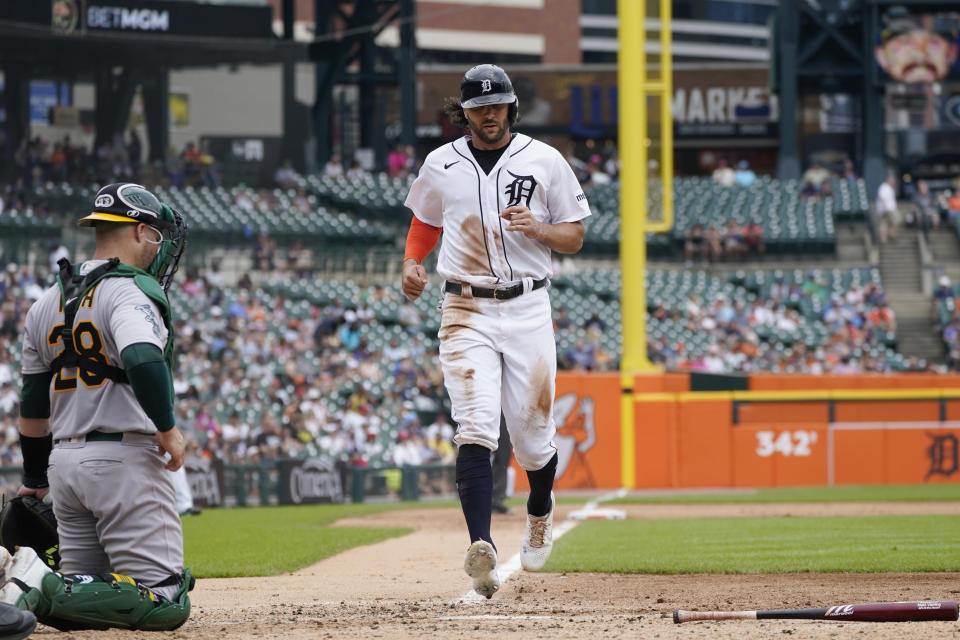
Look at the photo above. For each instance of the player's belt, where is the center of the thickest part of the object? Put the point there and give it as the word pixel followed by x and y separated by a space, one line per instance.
pixel 503 293
pixel 104 436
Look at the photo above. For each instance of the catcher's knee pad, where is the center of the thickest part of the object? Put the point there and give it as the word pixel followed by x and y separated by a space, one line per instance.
pixel 101 602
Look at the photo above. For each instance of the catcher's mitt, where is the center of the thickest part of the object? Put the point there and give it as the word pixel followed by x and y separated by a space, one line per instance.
pixel 28 522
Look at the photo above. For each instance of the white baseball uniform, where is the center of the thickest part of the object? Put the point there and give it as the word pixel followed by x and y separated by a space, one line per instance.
pixel 498 353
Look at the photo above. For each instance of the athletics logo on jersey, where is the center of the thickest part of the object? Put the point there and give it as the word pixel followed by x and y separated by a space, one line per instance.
pixel 151 318
pixel 520 190
pixel 486 86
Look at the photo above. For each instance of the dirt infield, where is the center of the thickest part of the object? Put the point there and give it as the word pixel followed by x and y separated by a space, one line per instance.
pixel 410 587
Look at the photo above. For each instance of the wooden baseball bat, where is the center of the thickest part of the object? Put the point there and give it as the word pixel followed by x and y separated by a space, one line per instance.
pixel 876 612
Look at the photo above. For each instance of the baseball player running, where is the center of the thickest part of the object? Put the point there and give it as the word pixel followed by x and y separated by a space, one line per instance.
pixel 504 201
pixel 96 421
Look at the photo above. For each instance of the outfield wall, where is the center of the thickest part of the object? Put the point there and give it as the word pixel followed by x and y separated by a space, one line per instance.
pixel 790 430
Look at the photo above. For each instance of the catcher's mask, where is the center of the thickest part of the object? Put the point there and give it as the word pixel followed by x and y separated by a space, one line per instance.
pixel 173 231
pixel 488 84
pixel 129 202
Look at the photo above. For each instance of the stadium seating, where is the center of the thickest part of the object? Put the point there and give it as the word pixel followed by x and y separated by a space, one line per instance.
pixel 215 217
pixel 371 210
pixel 790 222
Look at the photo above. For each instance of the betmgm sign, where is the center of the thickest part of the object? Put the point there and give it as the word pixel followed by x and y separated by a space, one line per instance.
pixel 310 481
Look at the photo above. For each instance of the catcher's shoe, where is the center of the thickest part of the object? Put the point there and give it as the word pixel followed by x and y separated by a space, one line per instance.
pixel 538 543
pixel 14 623
pixel 481 565
pixel 22 572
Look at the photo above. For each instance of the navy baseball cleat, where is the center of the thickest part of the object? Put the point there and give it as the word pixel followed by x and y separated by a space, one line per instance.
pixel 14 623
pixel 481 565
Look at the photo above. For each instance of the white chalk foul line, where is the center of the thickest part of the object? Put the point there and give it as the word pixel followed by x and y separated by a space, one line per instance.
pixel 506 570
pixel 607 497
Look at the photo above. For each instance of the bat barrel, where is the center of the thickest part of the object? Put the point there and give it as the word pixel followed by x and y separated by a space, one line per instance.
pixel 876 612
pixel 894 611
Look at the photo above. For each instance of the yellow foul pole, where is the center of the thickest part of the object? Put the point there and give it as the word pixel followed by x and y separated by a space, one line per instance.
pixel 633 90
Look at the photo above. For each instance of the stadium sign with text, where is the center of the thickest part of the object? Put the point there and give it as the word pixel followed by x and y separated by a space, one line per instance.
pixel 153 17
pixel 206 481
pixel 728 101
pixel 309 481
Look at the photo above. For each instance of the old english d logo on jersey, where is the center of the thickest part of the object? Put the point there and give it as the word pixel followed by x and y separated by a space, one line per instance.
pixel 520 190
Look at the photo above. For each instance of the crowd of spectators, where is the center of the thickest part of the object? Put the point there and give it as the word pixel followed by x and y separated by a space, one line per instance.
pixel 726 176
pixel 585 351
pixel 946 308
pixel 37 161
pixel 256 381
pixel 17 197
pixel 338 401
pixel 931 209
pixel 595 165
pixel 733 243
pixel 765 333
pixel 313 387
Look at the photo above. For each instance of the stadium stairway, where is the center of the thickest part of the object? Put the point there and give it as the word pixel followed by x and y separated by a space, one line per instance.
pixel 945 252
pixel 900 263
pixel 852 243
pixel 900 267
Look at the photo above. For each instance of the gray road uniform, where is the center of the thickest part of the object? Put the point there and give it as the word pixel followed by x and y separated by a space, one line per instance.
pixel 113 499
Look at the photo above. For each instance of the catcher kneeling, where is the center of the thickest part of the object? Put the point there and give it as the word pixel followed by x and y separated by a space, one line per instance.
pixel 97 432
pixel 70 602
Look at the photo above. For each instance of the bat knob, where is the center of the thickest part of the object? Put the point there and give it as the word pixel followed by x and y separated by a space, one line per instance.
pixel 676 616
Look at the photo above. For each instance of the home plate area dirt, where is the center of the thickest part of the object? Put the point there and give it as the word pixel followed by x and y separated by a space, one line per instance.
pixel 414 587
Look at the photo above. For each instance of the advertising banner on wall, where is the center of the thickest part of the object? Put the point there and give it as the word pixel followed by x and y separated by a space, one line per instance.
pixel 310 481
pixel 918 48
pixel 142 17
pixel 206 481
pixel 728 101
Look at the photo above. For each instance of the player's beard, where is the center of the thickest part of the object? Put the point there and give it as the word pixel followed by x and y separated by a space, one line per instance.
pixel 498 134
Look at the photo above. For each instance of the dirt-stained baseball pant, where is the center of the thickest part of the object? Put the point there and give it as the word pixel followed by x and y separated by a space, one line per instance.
pixel 501 353
pixel 115 510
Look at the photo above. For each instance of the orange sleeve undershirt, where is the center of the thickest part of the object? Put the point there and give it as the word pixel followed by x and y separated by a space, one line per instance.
pixel 421 239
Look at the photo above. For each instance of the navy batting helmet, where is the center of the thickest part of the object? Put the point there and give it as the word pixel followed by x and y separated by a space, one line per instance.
pixel 488 84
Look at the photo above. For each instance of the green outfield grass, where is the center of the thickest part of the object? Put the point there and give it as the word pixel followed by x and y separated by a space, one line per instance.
pixel 761 545
pixel 856 493
pixel 268 541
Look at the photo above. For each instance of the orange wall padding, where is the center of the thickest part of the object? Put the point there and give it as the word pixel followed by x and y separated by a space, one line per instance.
pixel 686 439
pixel 798 381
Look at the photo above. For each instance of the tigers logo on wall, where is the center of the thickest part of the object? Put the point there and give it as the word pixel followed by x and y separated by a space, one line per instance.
pixel 576 435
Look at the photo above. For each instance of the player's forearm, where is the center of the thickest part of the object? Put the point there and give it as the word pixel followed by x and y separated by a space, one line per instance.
pixel 564 237
pixel 421 240
pixel 35 446
pixel 34 427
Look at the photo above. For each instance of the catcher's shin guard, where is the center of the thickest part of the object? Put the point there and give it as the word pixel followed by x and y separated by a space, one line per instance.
pixel 101 602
